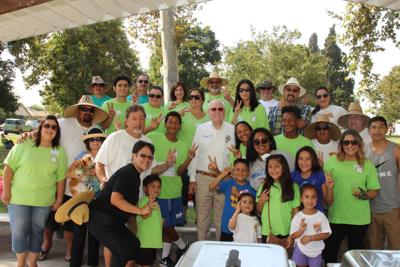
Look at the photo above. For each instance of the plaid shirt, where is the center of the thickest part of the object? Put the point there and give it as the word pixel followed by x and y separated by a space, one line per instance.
pixel 275 117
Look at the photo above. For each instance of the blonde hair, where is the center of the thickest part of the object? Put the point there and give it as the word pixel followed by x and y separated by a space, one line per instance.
pixel 360 156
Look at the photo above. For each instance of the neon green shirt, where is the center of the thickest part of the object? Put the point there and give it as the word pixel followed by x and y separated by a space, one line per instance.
pixel 120 112
pixel 189 126
pixel 242 149
pixel 227 105
pixel 257 118
pixel 178 107
pixel 36 172
pixel 150 229
pixel 153 113
pixel 349 176
pixel 171 186
pixel 291 146
pixel 281 212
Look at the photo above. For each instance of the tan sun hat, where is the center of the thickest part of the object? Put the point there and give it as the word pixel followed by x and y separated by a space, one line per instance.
pixel 292 81
pixel 213 75
pixel 75 209
pixel 99 114
pixel 354 109
pixel 334 131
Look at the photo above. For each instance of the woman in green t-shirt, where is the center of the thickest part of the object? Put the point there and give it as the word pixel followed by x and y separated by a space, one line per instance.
pixel 33 175
pixel 242 133
pixel 178 97
pixel 355 183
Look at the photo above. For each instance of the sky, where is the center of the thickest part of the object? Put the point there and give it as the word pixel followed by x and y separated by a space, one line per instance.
pixel 231 20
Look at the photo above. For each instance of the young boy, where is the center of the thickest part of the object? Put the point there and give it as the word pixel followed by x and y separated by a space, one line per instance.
pixel 231 188
pixel 149 227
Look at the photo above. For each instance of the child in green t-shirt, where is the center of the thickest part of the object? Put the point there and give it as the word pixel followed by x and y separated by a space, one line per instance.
pixel 150 226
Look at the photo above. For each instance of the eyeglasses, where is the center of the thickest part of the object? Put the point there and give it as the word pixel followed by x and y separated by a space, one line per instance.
pixel 48 126
pixel 322 127
pixel 265 88
pixel 292 90
pixel 322 96
pixel 194 97
pixel 98 84
pixel 241 90
pixel 96 139
pixel 348 142
pixel 144 156
pixel 259 142
pixel 143 81
pixel 155 96
pixel 83 109
pixel 214 81
pixel 217 109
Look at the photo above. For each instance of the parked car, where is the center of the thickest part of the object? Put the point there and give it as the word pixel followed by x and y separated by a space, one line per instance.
pixel 15 126
pixel 33 124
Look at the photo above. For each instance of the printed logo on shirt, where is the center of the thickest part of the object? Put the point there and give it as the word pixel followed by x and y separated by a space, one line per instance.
pixel 227 139
pixel 207 136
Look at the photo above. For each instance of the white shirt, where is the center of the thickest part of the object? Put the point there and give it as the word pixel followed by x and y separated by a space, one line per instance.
pixel 248 229
pixel 365 136
pixel 327 150
pixel 268 105
pixel 214 143
pixel 334 112
pixel 314 248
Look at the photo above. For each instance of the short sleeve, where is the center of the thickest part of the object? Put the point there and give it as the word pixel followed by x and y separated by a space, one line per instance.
pixel 259 191
pixel 258 228
pixel 123 183
pixel 12 159
pixel 372 176
pixel 62 165
pixel 225 186
pixel 296 199
pixel 325 227
pixel 103 156
pixel 322 178
pixel 294 225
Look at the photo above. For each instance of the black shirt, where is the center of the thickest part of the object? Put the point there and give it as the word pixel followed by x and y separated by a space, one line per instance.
pixel 125 181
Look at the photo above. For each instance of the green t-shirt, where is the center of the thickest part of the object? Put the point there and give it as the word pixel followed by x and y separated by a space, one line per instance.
pixel 227 105
pixel 281 212
pixel 179 107
pixel 171 182
pixel 120 112
pixel 291 146
pixel 349 176
pixel 153 113
pixel 36 172
pixel 242 149
pixel 150 229
pixel 189 126
pixel 257 118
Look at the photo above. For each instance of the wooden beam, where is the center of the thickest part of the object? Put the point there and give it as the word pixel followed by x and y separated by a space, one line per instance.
pixel 8 6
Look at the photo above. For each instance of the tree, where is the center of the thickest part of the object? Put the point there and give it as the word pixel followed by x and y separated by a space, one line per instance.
pixel 66 61
pixel 338 74
pixel 8 100
pixel 313 43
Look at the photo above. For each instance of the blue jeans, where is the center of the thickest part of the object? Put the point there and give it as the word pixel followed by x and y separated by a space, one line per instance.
pixel 27 226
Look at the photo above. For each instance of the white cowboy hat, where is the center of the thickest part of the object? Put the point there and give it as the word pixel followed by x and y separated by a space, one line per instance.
pixel 295 82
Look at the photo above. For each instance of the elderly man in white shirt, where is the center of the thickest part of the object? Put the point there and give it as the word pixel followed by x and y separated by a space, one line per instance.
pixel 213 139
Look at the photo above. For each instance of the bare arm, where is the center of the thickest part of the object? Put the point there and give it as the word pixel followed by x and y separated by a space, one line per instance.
pixel 118 200
pixel 101 172
pixel 233 219
pixel 215 182
pixel 60 189
pixel 8 175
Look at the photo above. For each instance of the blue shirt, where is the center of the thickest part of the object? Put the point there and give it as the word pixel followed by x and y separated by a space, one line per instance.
pixel 143 99
pixel 99 101
pixel 230 201
pixel 316 179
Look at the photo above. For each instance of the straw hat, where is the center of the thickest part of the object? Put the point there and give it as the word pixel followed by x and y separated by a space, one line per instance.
pixel 99 114
pixel 98 80
pixel 75 209
pixel 295 82
pixel 93 133
pixel 334 131
pixel 213 75
pixel 354 109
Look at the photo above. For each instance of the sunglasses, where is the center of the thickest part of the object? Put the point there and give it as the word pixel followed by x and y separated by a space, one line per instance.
pixel 48 126
pixel 217 109
pixel 322 128
pixel 98 84
pixel 143 81
pixel 144 156
pixel 265 88
pixel 322 96
pixel 214 81
pixel 155 96
pixel 194 97
pixel 262 141
pixel 241 90
pixel 83 109
pixel 96 139
pixel 348 142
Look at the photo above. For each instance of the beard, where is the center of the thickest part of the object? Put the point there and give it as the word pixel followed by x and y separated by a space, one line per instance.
pixel 88 118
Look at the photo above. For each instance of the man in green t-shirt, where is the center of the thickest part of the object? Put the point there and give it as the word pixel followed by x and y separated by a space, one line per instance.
pixel 291 140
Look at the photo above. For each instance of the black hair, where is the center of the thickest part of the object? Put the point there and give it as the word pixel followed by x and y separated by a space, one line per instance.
pixel 292 109
pixel 141 144
pixel 303 188
pixel 247 194
pixel 377 118
pixel 318 108
pixel 173 114
pixel 243 161
pixel 174 87
pixel 237 141
pixel 315 166
pixel 151 178
pixel 285 180
pixel 121 77
pixel 251 153
pixel 157 88
pixel 134 108
pixel 56 140
pixel 253 96
pixel 93 131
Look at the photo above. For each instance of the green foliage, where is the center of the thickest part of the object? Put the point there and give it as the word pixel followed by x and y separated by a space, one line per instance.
pixel 313 43
pixel 8 100
pixel 66 61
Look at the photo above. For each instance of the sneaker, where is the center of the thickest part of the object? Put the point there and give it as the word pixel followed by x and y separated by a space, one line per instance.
pixel 166 262
pixel 180 252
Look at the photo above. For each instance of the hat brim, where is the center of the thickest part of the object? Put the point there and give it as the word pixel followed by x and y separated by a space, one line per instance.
pixel 204 81
pixel 96 135
pixel 334 131
pixel 99 114
pixel 344 119
pixel 62 212
pixel 302 89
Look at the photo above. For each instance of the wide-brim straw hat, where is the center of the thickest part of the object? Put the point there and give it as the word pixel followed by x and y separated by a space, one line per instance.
pixel 354 109
pixel 99 114
pixel 98 80
pixel 94 133
pixel 213 75
pixel 294 82
pixel 334 131
pixel 75 209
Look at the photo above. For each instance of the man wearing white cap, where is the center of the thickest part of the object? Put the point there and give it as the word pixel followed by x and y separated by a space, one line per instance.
pixel 291 91
pixel 98 90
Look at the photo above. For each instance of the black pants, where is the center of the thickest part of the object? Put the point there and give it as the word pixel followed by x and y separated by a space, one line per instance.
pixel 355 237
pixel 78 247
pixel 123 245
pixel 227 237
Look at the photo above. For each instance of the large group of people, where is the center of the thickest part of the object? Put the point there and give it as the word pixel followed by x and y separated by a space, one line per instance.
pixel 264 170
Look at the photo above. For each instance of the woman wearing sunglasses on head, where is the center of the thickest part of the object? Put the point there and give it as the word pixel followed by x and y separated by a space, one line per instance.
pixel 33 185
pixel 324 106
pixel 355 182
pixel 155 111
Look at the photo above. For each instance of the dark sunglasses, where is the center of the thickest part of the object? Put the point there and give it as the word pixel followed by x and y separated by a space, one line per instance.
pixel 348 142
pixel 241 90
pixel 98 84
pixel 265 88
pixel 96 139
pixel 155 96
pixel 83 109
pixel 322 96
pixel 144 156
pixel 48 126
pixel 262 141
pixel 322 128
pixel 217 109
pixel 195 97
pixel 143 81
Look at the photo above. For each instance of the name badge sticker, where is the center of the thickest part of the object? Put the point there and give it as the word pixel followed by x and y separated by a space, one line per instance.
pixel 53 155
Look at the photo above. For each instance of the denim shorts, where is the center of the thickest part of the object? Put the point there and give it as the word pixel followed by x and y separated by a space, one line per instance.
pixel 171 211
pixel 27 225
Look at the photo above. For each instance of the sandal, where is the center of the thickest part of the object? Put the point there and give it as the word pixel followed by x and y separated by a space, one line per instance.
pixel 43 254
pixel 67 258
